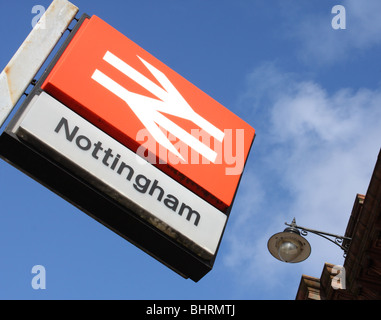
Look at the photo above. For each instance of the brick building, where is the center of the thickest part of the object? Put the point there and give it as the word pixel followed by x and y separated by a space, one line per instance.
pixel 362 264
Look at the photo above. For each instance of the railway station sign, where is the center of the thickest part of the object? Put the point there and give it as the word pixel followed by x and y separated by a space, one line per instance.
pixel 130 142
pixel 145 105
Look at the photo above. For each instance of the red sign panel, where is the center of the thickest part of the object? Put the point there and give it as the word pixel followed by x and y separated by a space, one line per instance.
pixel 145 105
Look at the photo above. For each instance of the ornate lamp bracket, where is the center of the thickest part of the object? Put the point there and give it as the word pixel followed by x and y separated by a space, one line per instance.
pixel 341 241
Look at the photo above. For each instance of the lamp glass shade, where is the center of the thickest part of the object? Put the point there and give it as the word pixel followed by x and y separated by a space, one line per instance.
pixel 289 246
pixel 289 250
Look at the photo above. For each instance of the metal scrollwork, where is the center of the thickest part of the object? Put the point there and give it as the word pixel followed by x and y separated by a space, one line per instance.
pixel 340 241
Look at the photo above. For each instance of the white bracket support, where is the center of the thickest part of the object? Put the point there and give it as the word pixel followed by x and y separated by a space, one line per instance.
pixel 29 58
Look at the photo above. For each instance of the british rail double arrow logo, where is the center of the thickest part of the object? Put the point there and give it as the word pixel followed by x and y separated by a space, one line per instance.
pixel 150 111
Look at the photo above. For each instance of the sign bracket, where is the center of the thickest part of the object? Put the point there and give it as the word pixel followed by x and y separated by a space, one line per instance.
pixel 29 58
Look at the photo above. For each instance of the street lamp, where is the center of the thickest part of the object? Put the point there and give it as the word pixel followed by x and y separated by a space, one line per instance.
pixel 290 246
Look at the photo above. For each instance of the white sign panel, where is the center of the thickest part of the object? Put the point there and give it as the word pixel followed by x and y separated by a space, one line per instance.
pixel 115 170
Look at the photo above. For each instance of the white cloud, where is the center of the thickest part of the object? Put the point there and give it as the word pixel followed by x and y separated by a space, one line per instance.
pixel 313 153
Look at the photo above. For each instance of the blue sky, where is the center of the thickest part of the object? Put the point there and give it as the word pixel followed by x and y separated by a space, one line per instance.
pixel 311 92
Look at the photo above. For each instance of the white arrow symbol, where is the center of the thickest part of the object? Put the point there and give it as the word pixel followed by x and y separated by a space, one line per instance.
pixel 149 110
